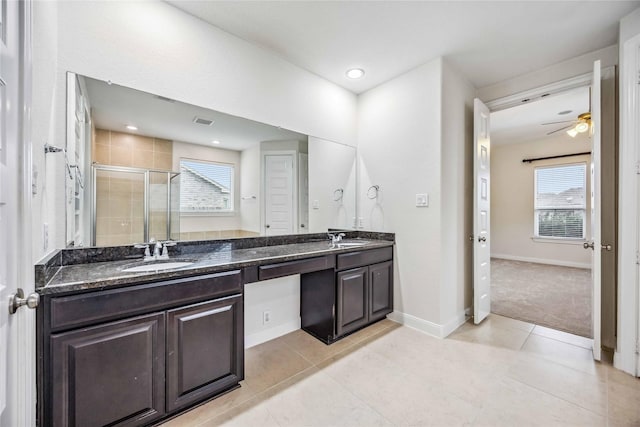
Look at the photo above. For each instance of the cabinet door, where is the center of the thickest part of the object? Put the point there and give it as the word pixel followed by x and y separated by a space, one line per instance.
pixel 205 350
pixel 112 374
pixel 352 302
pixel 380 290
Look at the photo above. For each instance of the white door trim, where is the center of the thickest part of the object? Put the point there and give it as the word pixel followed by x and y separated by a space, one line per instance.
pixel 625 357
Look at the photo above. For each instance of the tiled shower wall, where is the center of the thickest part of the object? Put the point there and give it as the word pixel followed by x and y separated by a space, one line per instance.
pixel 119 210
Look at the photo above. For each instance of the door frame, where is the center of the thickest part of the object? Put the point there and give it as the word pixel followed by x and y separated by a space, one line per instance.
pixel 263 167
pixel 535 94
pixel 628 316
pixel 25 372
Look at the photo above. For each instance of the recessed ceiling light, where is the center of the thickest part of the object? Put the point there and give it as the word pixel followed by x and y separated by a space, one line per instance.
pixel 132 127
pixel 355 73
pixel 562 113
pixel 216 142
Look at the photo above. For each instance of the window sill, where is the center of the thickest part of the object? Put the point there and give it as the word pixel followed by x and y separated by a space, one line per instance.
pixel 558 240
pixel 205 214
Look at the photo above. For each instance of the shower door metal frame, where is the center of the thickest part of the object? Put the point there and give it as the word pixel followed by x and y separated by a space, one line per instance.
pixel 145 200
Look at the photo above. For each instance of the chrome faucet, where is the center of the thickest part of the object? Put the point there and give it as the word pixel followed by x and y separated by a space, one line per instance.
pixel 335 238
pixel 160 251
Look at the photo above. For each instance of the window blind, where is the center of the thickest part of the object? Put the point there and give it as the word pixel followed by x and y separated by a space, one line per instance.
pixel 560 201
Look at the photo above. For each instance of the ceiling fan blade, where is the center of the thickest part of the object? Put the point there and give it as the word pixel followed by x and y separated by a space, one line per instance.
pixel 558 130
pixel 556 123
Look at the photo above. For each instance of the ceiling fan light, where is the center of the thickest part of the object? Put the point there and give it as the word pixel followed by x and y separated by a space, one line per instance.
pixel 582 127
pixel 572 132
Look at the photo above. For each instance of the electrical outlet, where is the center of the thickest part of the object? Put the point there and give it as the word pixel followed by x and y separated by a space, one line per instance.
pixel 361 222
pixel 355 222
pixel 315 204
pixel 266 317
pixel 422 200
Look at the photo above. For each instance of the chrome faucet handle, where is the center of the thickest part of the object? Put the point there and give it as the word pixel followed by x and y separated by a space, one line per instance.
pixel 157 249
pixel 165 251
pixel 340 236
pixel 147 253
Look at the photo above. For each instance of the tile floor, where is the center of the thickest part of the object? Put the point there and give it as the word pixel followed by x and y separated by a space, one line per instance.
pixel 502 373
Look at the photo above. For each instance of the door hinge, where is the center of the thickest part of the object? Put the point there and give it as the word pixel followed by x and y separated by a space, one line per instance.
pixel 637 347
pixel 637 258
pixel 637 168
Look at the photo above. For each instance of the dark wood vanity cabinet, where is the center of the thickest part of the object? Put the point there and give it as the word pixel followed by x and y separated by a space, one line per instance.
pixel 204 350
pixel 139 369
pixel 109 374
pixel 334 304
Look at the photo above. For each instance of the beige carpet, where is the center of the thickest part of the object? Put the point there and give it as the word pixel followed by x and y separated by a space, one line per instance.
pixel 547 295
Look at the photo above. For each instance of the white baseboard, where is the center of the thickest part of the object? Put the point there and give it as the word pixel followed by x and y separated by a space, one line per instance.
pixel 456 322
pixel 271 333
pixel 427 327
pixel 543 261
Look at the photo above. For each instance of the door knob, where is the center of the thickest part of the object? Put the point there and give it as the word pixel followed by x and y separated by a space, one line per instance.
pixel 267 226
pixel 588 245
pixel 482 239
pixel 606 247
pixel 17 300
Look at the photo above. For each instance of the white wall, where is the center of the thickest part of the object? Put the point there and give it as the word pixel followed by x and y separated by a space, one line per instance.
pixel 154 47
pixel 512 201
pixel 201 222
pixel 414 136
pixel 250 186
pixel 331 166
pixel 281 297
pixel 457 197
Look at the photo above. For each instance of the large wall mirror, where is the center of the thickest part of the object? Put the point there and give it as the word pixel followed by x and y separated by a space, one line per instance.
pixel 141 166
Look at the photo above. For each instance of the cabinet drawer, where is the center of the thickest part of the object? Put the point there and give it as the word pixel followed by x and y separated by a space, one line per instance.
pixel 360 258
pixel 288 268
pixel 94 307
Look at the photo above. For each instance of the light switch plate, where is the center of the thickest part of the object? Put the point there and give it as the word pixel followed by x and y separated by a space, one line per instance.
pixel 315 204
pixel 422 200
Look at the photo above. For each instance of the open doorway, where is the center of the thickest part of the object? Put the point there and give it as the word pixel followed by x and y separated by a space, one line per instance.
pixel 540 212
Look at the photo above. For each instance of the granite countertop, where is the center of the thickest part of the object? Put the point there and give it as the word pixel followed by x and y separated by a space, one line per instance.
pixel 106 274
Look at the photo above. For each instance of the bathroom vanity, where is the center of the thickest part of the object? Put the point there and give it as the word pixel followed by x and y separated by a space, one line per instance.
pixel 117 347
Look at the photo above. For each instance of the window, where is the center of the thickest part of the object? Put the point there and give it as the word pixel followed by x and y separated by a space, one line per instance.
pixel 206 187
pixel 560 201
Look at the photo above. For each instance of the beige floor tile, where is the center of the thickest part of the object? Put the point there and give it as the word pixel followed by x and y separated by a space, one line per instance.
pixel 624 398
pixel 213 408
pixel 562 336
pixel 374 329
pixel 497 333
pixel 585 390
pixel 253 413
pixel 396 391
pixel 565 354
pixel 508 323
pixel 270 363
pixel 512 403
pixel 315 399
pixel 312 349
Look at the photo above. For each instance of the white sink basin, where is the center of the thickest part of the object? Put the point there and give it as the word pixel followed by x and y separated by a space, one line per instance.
pixel 157 266
pixel 350 244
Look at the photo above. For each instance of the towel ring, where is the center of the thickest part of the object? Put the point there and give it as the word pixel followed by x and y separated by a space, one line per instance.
pixel 373 194
pixel 337 194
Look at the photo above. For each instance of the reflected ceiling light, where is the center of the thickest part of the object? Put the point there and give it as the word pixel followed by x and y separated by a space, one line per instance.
pixel 582 125
pixel 131 127
pixel 355 73
pixel 572 132
pixel 216 142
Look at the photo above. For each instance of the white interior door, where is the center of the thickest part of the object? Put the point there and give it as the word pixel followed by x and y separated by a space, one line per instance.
pixel 13 406
pixel 481 212
pixel 279 194
pixel 596 244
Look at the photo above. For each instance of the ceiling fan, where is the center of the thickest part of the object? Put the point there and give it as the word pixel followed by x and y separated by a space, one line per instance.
pixel 576 126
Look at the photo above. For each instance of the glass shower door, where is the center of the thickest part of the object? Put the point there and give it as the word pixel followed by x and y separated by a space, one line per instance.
pixel 119 207
pixel 174 206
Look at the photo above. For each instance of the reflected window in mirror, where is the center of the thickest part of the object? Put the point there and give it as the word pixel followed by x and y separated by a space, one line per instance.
pixel 206 187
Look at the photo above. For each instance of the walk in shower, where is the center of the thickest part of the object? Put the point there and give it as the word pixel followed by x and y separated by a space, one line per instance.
pixel 132 205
